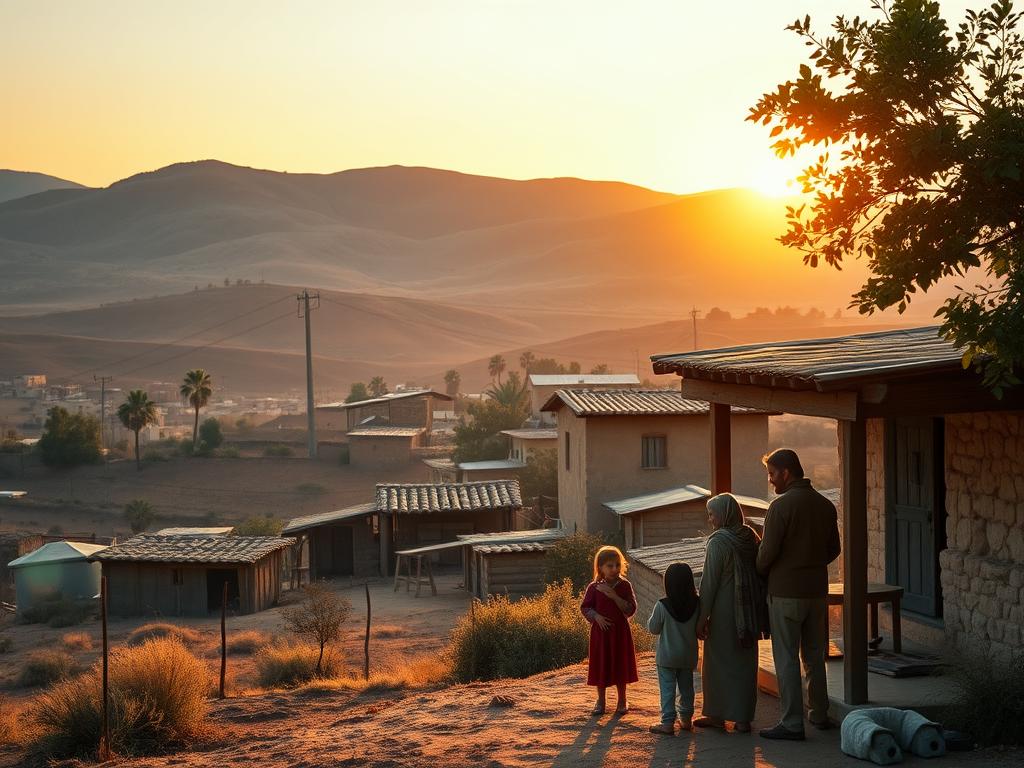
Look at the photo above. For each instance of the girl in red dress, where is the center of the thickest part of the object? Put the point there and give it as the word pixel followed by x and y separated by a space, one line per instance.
pixel 607 605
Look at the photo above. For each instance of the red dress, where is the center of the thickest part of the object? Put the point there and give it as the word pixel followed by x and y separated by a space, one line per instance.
pixel 612 658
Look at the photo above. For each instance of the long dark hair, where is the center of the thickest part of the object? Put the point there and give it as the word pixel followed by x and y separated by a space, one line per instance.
pixel 680 599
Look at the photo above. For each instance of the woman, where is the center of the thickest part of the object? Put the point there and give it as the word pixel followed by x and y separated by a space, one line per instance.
pixel 733 617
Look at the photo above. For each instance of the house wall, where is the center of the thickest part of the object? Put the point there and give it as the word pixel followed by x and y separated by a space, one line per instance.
pixel 412 412
pixel 326 560
pixel 665 525
pixel 379 451
pixel 521 449
pixel 572 485
pixel 515 574
pixel 648 586
pixel 474 476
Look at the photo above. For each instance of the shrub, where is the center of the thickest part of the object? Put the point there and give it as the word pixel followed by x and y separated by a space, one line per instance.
pixel 517 639
pixel 77 641
pixel 989 701
pixel 139 515
pixel 45 667
pixel 259 525
pixel 229 452
pixel 69 439
pixel 289 665
pixel 163 630
pixel 57 612
pixel 572 558
pixel 318 617
pixel 210 435
pixel 12 726
pixel 157 700
pixel 153 455
pixel 418 672
pixel 278 450
pixel 248 641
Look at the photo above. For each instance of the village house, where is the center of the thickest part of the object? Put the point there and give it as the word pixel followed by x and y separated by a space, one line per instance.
pixel 618 444
pixel 413 409
pixel 524 443
pixel 380 447
pixel 932 480
pixel 156 575
pixel 342 542
pixel 509 563
pixel 543 386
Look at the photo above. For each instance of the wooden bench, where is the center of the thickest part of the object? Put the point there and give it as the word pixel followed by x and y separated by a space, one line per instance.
pixel 877 593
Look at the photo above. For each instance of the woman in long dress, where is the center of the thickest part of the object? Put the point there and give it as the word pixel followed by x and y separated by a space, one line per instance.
pixel 733 617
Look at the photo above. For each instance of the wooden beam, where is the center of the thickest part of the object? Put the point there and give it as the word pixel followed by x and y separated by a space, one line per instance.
pixel 960 393
pixel 830 405
pixel 384 528
pixel 853 453
pixel 721 448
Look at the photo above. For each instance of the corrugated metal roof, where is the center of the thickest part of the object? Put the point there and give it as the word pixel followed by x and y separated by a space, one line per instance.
pixel 508 549
pixel 403 432
pixel 150 548
pixel 649 501
pixel 214 531
pixel 659 557
pixel 448 497
pixel 57 552
pixel 821 364
pixel 383 399
pixel 324 518
pixel 479 466
pixel 537 536
pixel 631 402
pixel 571 379
pixel 445 463
pixel 531 434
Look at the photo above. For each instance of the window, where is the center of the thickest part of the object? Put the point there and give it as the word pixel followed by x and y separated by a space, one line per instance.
pixel 566 451
pixel 652 452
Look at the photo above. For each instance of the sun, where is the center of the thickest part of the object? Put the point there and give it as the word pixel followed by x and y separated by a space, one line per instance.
pixel 774 180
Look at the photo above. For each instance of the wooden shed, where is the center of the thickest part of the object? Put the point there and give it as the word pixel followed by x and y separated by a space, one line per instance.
pixel 515 570
pixel 185 575
pixel 647 566
pixel 343 542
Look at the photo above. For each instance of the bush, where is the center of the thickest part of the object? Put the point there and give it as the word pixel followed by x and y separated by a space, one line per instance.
pixel 290 665
pixel 210 435
pixel 318 617
pixel 248 641
pixel 259 525
pixel 572 558
pixel 278 450
pixel 139 515
pixel 69 439
pixel 12 728
pixel 229 452
pixel 163 630
pixel 57 613
pixel 153 455
pixel 157 700
pixel 989 702
pixel 77 641
pixel 504 639
pixel 45 667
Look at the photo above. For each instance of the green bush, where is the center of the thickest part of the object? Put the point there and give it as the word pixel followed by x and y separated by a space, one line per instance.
pixel 45 667
pixel 989 702
pixel 259 525
pixel 57 612
pixel 157 701
pixel 210 434
pixel 289 665
pixel 516 639
pixel 229 452
pixel 572 558
pixel 69 439
pixel 139 515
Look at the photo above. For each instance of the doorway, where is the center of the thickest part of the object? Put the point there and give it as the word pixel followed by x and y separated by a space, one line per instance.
pixel 215 578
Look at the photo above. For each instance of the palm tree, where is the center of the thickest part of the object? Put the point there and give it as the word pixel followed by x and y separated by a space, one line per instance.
pixel 452 381
pixel 526 360
pixel 137 412
pixel 512 394
pixel 377 386
pixel 196 388
pixel 495 366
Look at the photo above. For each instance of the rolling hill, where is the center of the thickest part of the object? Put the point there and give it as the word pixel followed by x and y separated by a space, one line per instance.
pixel 15 184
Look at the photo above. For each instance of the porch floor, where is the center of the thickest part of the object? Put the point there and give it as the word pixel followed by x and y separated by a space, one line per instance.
pixel 928 694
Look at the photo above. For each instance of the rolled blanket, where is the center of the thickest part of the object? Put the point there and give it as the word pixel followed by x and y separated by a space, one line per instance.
pixel 862 737
pixel 925 736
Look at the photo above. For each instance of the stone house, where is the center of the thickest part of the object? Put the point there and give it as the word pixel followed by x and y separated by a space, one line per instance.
pixel 617 444
pixel 932 477
pixel 543 386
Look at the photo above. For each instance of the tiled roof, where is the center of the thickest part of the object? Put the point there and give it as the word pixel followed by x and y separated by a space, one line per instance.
pixel 659 557
pixel 151 548
pixel 531 434
pixel 821 364
pixel 573 379
pixel 334 516
pixel 384 399
pixel 649 501
pixel 535 535
pixel 223 530
pixel 508 549
pixel 386 432
pixel 449 497
pixel 630 402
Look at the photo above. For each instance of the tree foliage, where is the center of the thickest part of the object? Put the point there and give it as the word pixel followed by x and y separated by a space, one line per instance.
pixel 922 136
pixel 196 388
pixel 540 475
pixel 513 394
pixel 210 435
pixel 496 366
pixel 318 617
pixel 452 382
pixel 139 515
pixel 136 413
pixel 69 439
pixel 479 438
pixel 357 392
pixel 377 386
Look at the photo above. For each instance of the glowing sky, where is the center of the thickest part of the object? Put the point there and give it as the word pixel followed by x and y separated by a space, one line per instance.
pixel 652 92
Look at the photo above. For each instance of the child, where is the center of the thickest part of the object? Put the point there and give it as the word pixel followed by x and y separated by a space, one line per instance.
pixel 607 605
pixel 674 621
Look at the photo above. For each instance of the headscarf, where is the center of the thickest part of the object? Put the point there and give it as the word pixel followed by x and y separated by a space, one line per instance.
pixel 751 595
pixel 680 599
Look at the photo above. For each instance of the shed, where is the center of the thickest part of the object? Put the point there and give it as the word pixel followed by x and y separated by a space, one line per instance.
pixel 397 409
pixel 523 443
pixel 185 575
pixel 58 570
pixel 647 566
pixel 343 542
pixel 668 516
pixel 514 570
pixel 381 446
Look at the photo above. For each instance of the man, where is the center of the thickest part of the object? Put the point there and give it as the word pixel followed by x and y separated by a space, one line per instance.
pixel 801 537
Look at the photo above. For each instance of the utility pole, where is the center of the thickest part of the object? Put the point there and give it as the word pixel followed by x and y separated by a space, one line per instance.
pixel 304 309
pixel 103 410
pixel 693 314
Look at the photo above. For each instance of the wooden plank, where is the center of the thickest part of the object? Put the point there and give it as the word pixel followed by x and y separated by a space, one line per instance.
pixel 853 453
pixel 831 405
pixel 721 448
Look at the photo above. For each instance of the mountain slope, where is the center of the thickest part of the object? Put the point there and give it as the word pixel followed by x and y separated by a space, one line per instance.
pixel 16 184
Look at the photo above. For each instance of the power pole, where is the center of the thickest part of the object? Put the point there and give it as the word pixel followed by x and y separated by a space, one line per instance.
pixel 304 310
pixel 103 410
pixel 693 314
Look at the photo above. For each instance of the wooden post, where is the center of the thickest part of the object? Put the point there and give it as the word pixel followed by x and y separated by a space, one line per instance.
pixel 721 448
pixel 104 752
pixel 384 527
pixel 853 452
pixel 223 638
pixel 366 642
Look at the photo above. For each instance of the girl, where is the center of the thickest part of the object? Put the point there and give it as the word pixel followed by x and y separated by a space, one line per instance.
pixel 607 605
pixel 674 621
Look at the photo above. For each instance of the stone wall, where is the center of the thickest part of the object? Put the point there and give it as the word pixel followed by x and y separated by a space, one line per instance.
pixel 982 569
pixel 876 499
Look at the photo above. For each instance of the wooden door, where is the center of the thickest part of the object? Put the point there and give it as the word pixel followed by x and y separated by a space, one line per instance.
pixel 915 514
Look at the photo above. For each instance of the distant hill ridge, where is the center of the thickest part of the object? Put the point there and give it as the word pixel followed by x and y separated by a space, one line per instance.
pixel 18 184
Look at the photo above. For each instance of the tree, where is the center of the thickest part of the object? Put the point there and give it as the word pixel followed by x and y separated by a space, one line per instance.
pixel 717 315
pixel 926 182
pixel 139 515
pixel 377 386
pixel 69 439
pixel 136 413
pixel 357 392
pixel 319 617
pixel 574 368
pixel 480 438
pixel 513 394
pixel 540 475
pixel 496 366
pixel 259 525
pixel 210 435
pixel 526 360
pixel 601 369
pixel 572 558
pixel 196 389
pixel 452 382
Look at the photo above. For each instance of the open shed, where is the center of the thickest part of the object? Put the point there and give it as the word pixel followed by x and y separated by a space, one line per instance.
pixel 58 570
pixel 342 542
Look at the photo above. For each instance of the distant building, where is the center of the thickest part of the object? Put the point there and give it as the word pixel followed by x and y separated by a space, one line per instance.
pixel 30 386
pixel 58 570
pixel 543 386
pixel 523 443
pixel 383 446
pixel 398 409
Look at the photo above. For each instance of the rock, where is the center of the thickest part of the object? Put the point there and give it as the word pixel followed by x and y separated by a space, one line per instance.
pixel 996 534
pixel 502 701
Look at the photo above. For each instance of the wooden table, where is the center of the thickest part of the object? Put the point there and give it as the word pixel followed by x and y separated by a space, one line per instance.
pixel 407 558
pixel 877 593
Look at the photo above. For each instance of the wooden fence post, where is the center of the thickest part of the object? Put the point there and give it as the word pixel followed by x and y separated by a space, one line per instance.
pixel 104 752
pixel 366 642
pixel 223 638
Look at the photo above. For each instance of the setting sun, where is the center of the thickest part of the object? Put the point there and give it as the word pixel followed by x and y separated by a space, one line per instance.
pixel 775 179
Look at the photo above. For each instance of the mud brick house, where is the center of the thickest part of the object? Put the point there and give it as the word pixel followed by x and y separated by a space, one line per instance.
pixel 543 386
pixel 382 446
pixel 398 409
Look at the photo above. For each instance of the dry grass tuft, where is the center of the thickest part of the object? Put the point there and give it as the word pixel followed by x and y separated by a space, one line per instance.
pixel 416 673
pixel 160 629
pixel 46 667
pixel 247 641
pixel 288 665
pixel 77 641
pixel 386 631
pixel 14 730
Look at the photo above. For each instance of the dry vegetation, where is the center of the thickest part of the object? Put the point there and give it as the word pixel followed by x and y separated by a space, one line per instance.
pixel 45 667
pixel 156 630
pixel 247 641
pixel 289 664
pixel 77 641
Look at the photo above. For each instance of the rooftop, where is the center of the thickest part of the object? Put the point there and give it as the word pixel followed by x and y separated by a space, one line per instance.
pixel 214 531
pixel 151 548
pixel 545 536
pixel 508 549
pixel 324 518
pixel 404 432
pixel 385 399
pixel 659 557
pixel 631 402
pixel 568 380
pixel 649 501
pixel 821 364
pixel 497 464
pixel 531 434
pixel 448 497
pixel 57 552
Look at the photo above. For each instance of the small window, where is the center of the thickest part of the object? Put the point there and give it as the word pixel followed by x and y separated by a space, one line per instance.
pixel 177 577
pixel 652 452
pixel 567 446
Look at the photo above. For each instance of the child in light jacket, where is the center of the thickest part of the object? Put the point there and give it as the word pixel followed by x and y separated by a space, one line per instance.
pixel 674 621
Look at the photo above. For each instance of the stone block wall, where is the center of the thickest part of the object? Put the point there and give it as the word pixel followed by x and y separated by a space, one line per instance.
pixel 876 499
pixel 982 569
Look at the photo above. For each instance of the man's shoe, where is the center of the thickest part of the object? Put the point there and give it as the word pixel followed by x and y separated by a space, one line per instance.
pixel 824 725
pixel 781 733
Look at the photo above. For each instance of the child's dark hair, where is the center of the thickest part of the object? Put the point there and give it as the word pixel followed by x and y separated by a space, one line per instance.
pixel 680 591
pixel 604 555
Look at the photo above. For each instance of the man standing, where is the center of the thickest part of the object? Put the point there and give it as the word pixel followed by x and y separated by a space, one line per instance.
pixel 801 537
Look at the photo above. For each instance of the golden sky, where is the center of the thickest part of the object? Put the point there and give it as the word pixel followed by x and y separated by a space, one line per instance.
pixel 652 92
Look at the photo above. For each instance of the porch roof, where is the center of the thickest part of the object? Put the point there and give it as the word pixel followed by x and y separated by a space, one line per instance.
pixel 681 495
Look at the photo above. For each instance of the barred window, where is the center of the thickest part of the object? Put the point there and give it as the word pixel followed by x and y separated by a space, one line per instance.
pixel 652 452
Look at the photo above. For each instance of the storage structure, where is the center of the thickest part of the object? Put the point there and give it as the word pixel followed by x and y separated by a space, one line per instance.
pixel 343 542
pixel 59 570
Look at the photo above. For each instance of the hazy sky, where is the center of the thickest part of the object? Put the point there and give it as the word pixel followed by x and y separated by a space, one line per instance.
pixel 652 92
